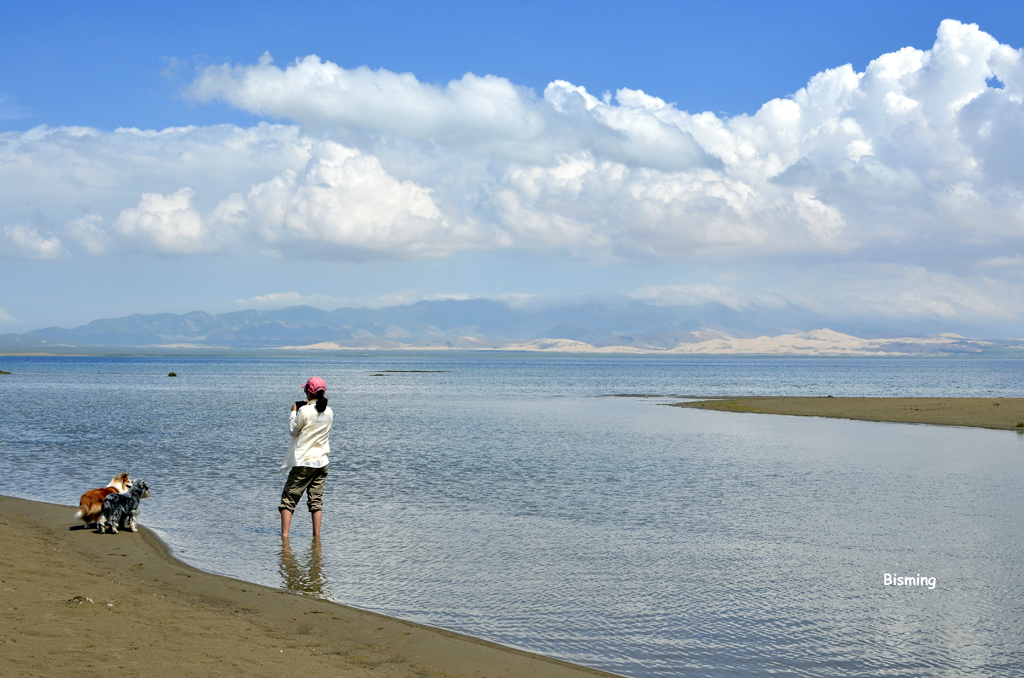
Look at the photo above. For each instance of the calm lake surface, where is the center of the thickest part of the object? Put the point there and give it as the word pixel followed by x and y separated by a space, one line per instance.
pixel 504 498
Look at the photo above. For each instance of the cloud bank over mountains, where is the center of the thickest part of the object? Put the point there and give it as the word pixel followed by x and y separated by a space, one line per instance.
pixel 899 189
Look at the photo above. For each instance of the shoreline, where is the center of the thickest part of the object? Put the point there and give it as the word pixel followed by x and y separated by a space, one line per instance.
pixel 87 603
pixel 991 413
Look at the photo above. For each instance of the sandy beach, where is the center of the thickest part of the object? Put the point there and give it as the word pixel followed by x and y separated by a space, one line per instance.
pixel 997 413
pixel 76 602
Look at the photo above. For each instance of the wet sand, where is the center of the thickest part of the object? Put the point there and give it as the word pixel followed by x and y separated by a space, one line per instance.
pixel 997 413
pixel 78 603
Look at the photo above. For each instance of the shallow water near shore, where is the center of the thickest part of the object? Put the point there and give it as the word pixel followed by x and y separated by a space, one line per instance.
pixel 501 497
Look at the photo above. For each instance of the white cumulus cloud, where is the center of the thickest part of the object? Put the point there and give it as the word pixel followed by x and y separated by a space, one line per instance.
pixel 344 202
pixel 916 142
pixel 480 114
pixel 916 162
pixel 168 222
pixel 90 231
pixel 923 144
pixel 26 242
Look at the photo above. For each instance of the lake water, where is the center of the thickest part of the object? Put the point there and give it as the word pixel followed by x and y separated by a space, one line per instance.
pixel 504 498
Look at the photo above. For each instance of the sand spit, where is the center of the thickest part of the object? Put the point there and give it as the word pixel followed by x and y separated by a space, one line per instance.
pixel 997 413
pixel 79 603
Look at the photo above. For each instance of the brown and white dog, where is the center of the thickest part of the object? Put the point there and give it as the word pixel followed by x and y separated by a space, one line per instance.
pixel 90 506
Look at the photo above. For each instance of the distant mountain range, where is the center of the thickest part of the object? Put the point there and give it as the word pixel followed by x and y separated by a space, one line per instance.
pixel 617 325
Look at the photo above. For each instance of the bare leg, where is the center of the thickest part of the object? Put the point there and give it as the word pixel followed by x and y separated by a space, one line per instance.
pixel 286 522
pixel 317 515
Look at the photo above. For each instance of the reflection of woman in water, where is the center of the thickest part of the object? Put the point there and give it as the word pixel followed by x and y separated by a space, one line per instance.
pixel 306 462
pixel 303 577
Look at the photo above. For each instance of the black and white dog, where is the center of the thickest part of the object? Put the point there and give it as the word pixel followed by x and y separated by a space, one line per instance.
pixel 121 509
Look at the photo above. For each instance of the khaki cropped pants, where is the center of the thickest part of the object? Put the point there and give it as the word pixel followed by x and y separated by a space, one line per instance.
pixel 304 479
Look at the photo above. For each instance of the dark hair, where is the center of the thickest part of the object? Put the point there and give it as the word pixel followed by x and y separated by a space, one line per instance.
pixel 321 401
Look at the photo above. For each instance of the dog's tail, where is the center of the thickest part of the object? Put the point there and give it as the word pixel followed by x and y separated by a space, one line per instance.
pixel 87 511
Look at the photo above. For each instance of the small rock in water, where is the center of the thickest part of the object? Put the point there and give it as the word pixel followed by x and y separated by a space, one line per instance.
pixel 172 374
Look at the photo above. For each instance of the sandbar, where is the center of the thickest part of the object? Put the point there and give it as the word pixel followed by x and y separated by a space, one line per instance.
pixel 75 602
pixel 995 413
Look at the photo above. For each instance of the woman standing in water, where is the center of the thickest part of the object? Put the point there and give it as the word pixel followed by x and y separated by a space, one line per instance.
pixel 306 462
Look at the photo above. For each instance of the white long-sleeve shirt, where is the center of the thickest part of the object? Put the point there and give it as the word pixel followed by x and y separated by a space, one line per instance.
pixel 310 431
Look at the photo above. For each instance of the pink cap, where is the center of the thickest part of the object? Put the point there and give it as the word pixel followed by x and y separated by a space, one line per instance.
pixel 316 385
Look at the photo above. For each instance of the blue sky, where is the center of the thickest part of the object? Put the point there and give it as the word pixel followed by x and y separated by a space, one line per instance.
pixel 886 193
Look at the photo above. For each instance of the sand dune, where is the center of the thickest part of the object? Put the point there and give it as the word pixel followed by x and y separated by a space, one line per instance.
pixel 823 342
